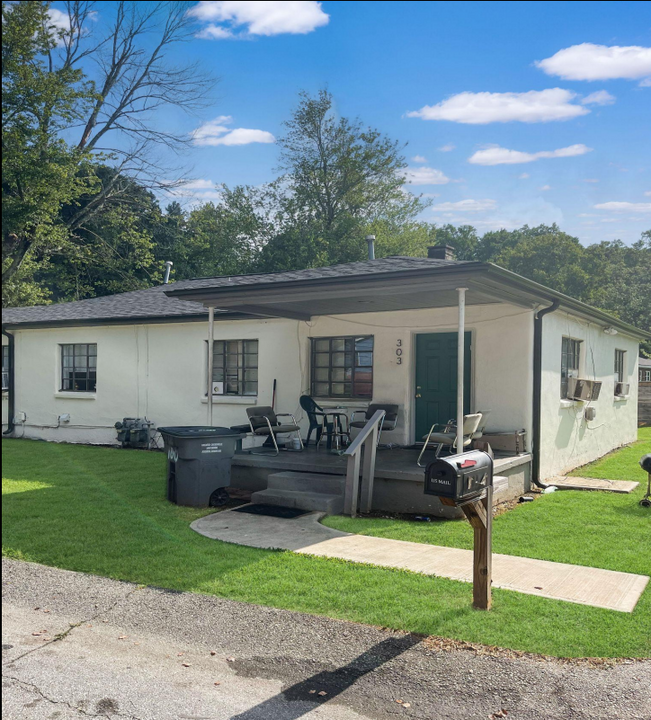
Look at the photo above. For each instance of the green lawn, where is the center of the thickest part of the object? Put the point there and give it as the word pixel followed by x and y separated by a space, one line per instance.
pixel 103 511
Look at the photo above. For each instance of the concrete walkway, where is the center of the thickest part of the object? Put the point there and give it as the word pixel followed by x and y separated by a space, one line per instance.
pixel 559 581
pixel 567 482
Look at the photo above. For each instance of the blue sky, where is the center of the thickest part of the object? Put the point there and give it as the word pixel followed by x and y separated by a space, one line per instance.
pixel 570 143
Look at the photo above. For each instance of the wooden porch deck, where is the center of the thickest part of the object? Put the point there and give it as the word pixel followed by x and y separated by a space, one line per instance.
pixel 391 463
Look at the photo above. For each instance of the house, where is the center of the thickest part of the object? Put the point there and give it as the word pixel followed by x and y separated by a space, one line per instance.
pixel 644 393
pixel 393 330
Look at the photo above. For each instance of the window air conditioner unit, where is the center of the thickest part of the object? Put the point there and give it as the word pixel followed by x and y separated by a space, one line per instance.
pixel 581 389
pixel 622 389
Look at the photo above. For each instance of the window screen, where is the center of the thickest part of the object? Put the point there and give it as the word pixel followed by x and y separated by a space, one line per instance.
pixel 235 364
pixel 570 360
pixel 342 367
pixel 79 368
pixel 620 362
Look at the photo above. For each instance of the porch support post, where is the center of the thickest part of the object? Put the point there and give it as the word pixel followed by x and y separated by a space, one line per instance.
pixel 211 353
pixel 461 346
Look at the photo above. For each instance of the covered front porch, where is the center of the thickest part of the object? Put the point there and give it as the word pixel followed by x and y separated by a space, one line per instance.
pixel 446 339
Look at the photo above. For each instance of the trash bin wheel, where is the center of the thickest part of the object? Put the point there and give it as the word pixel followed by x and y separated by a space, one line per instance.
pixel 219 498
pixel 645 502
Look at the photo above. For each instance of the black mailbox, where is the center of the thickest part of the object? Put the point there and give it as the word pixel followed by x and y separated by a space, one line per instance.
pixel 460 477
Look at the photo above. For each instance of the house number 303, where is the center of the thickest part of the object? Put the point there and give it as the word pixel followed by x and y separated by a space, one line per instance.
pixel 399 352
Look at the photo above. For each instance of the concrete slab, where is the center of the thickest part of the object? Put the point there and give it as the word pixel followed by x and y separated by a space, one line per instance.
pixel 581 483
pixel 264 532
pixel 305 535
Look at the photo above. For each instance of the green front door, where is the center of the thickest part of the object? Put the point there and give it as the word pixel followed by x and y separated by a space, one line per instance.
pixel 436 380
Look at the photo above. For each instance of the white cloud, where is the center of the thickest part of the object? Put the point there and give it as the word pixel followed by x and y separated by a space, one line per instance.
pixel 485 107
pixel 447 148
pixel 59 20
pixel 471 206
pixel 648 193
pixel 270 17
pixel 419 159
pixel 425 176
pixel 624 207
pixel 598 62
pixel 601 97
pixel 215 32
pixel 502 156
pixel 646 82
pixel 199 190
pixel 524 176
pixel 545 187
pixel 216 132
pixel 591 180
pixel 532 212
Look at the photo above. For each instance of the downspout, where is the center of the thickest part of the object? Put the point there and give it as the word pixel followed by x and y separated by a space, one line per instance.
pixel 11 392
pixel 537 390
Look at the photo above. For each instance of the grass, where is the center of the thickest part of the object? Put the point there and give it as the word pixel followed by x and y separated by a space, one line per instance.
pixel 103 511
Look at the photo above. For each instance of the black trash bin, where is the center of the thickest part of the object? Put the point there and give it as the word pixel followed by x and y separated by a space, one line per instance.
pixel 199 464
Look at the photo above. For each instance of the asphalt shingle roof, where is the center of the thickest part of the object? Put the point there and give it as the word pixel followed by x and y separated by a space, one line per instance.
pixel 365 267
pixel 155 303
pixel 150 303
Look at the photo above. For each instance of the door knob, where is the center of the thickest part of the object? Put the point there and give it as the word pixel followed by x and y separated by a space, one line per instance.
pixel 418 395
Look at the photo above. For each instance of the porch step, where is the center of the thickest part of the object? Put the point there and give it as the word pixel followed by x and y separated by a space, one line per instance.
pixel 307 482
pixel 330 504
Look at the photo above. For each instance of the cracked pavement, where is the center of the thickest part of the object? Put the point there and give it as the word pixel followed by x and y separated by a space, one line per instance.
pixel 79 646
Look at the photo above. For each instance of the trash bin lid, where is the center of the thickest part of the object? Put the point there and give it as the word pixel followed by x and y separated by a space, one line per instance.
pixel 198 431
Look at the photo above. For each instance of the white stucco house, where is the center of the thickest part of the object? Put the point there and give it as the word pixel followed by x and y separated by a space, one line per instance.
pixel 384 330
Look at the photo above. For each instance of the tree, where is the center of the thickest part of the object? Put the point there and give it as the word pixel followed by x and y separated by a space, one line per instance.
pixel 40 172
pixel 112 252
pixel 463 239
pixel 339 178
pixel 213 239
pixel 47 94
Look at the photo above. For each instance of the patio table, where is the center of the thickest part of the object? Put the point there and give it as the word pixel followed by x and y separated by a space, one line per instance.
pixel 336 430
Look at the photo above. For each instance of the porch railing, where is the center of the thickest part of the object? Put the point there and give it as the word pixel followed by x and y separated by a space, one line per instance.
pixel 367 441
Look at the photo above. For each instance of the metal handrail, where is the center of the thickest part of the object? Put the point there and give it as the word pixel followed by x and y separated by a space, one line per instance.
pixel 366 439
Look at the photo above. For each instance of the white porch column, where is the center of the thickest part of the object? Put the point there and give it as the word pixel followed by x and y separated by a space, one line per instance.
pixel 461 346
pixel 211 353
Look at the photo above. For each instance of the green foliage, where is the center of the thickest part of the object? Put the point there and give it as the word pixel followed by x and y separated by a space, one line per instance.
pixel 40 172
pixel 103 511
pixel 463 239
pixel 341 180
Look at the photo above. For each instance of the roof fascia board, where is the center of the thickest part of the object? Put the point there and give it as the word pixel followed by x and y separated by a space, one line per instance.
pixel 101 322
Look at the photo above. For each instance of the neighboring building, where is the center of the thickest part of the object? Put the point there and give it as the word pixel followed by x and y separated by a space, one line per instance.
pixel 644 396
pixel 381 330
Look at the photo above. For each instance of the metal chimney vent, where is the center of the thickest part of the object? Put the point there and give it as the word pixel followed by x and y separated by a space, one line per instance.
pixel 370 239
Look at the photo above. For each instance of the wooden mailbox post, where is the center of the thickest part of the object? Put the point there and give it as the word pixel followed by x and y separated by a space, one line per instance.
pixel 452 480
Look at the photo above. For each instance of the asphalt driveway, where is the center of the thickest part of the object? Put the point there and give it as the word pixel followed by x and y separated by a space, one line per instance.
pixel 79 646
